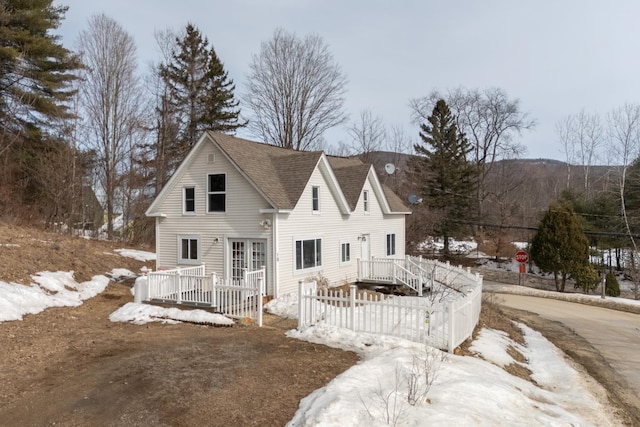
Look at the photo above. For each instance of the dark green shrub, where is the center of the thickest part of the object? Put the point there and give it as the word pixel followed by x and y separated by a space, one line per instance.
pixel 611 287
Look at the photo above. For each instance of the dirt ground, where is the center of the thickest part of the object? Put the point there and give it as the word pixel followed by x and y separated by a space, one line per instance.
pixel 73 367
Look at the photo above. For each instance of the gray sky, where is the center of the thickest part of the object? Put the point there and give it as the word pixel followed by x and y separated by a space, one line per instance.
pixel 556 57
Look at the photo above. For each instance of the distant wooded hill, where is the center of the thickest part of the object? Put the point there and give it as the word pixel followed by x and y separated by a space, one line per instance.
pixel 519 190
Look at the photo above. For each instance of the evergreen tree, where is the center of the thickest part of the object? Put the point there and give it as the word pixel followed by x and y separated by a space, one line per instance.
pixel 446 176
pixel 561 247
pixel 36 71
pixel 200 91
pixel 612 287
pixel 36 85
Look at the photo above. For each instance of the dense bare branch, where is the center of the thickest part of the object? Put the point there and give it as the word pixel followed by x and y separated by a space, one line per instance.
pixel 110 96
pixel 295 91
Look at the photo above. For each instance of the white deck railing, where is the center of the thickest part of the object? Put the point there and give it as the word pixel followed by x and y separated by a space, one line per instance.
pixel 443 318
pixel 236 299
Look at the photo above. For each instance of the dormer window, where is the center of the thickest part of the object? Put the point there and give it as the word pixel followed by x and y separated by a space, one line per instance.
pixel 315 198
pixel 365 200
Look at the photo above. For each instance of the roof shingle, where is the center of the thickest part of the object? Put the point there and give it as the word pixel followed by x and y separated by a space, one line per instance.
pixel 281 174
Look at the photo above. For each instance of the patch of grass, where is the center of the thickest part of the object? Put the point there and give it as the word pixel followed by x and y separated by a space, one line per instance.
pixel 492 317
pixel 517 370
pixel 516 355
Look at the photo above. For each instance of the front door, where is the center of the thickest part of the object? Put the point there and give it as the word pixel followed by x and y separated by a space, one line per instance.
pixel 364 255
pixel 247 253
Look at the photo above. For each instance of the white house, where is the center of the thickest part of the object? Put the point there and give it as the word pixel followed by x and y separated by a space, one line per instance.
pixel 235 204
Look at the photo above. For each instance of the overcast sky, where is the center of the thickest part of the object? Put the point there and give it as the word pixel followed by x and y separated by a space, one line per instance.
pixel 556 57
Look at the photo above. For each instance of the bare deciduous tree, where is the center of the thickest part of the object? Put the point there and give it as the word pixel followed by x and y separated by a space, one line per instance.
pixel 581 136
pixel 110 96
pixel 368 134
pixel 295 91
pixel 624 135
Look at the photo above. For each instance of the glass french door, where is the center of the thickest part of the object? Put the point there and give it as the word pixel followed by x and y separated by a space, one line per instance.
pixel 247 253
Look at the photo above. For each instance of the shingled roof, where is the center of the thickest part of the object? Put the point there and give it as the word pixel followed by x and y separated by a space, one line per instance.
pixel 281 175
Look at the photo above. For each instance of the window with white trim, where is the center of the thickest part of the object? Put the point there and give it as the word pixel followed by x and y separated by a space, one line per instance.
pixel 216 192
pixel 345 252
pixel 308 253
pixel 189 200
pixel 391 244
pixel 315 198
pixel 365 200
pixel 189 249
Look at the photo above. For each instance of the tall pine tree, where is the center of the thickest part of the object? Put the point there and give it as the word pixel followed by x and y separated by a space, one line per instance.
pixel 200 91
pixel 36 86
pixel 36 71
pixel 445 175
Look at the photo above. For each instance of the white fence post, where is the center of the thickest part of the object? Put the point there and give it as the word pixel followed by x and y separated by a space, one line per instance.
pixel 301 308
pixel 214 293
pixel 179 287
pixel 259 299
pixel 352 306
pixel 451 319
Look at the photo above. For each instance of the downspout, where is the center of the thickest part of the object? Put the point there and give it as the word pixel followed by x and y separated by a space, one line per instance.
pixel 276 255
pixel 157 239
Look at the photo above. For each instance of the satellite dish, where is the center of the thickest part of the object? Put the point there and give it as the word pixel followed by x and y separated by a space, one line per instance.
pixel 413 199
pixel 390 168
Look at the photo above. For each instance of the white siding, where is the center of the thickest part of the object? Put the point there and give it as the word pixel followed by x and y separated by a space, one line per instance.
pixel 333 228
pixel 241 219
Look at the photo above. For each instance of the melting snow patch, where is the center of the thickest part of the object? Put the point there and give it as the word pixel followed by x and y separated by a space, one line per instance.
pixel 145 313
pixel 136 254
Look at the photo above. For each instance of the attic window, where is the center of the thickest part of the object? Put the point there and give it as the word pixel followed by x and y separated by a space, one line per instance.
pixel 189 200
pixel 211 158
pixel 315 198
pixel 216 193
pixel 365 200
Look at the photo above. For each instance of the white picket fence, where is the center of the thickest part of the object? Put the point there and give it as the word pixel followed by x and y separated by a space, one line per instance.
pixel 443 318
pixel 191 286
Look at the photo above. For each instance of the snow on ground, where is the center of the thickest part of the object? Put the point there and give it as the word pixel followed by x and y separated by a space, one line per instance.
pixel 448 389
pixel 144 313
pixel 464 391
pixel 50 289
pixel 59 289
pixel 136 254
pixel 455 246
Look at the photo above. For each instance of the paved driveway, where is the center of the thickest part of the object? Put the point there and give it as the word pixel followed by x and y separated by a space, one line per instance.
pixel 614 334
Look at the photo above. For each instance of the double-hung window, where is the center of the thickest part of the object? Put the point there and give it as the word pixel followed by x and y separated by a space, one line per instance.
pixel 345 252
pixel 189 200
pixel 365 200
pixel 315 199
pixel 216 193
pixel 189 249
pixel 308 253
pixel 391 244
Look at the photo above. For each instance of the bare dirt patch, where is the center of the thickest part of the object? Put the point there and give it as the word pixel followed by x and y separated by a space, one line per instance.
pixel 74 367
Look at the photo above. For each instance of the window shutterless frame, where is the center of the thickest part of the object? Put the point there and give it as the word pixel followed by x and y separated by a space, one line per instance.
pixel 189 200
pixel 216 192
